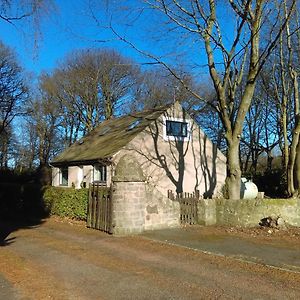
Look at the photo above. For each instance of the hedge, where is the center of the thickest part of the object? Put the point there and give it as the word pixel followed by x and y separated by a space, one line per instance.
pixel 66 202
pixel 27 201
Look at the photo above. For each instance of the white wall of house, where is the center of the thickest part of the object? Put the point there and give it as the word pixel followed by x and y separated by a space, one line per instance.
pixel 77 175
pixel 55 176
pixel 197 165
pixel 87 174
pixel 73 174
pixel 192 164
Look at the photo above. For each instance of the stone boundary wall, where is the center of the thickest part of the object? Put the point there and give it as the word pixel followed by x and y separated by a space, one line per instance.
pixel 136 205
pixel 160 211
pixel 207 212
pixel 247 212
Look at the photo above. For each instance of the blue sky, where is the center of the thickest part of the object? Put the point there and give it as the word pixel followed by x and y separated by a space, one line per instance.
pixel 70 26
pixel 54 40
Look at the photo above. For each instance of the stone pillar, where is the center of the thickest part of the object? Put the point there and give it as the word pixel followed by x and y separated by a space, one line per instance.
pixel 128 197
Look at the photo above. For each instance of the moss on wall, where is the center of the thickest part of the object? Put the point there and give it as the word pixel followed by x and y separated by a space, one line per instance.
pixel 280 202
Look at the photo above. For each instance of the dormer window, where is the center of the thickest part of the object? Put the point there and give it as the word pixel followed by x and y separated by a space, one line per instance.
pixel 176 129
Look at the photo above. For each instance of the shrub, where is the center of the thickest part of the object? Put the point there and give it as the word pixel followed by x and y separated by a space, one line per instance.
pixel 66 202
pixel 27 201
pixel 272 183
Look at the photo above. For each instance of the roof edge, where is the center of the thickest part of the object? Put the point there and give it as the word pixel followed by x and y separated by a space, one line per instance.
pixel 105 161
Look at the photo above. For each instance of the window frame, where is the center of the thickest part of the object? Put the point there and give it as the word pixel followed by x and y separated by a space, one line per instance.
pixel 102 173
pixel 169 137
pixel 182 132
pixel 64 181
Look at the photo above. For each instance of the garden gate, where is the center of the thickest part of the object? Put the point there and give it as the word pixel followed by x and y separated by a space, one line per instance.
pixel 188 206
pixel 99 211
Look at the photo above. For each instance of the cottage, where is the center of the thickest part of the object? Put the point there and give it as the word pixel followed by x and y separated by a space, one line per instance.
pixel 160 150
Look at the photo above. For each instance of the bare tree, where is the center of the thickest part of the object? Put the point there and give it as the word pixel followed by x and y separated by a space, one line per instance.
pixel 12 11
pixel 156 87
pixel 285 87
pixel 26 16
pixel 40 137
pixel 5 147
pixel 260 134
pixel 45 120
pixel 13 91
pixel 241 54
pixel 293 45
pixel 25 154
pixel 91 85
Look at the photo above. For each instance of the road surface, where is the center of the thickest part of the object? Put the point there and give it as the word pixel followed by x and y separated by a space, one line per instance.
pixel 64 260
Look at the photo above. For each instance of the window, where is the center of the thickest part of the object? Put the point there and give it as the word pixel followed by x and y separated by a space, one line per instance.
pixel 99 173
pixel 177 129
pixel 63 176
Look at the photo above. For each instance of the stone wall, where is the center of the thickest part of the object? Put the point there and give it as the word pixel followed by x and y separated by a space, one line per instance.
pixel 160 211
pixel 207 213
pixel 247 212
pixel 136 205
pixel 128 207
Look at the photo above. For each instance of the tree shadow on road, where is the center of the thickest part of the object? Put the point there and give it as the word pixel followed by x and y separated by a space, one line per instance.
pixel 21 207
pixel 7 227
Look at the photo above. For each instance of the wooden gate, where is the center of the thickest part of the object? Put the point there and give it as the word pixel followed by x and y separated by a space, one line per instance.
pixel 99 214
pixel 188 206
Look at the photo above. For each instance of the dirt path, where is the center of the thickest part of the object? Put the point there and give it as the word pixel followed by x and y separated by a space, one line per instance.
pixel 58 260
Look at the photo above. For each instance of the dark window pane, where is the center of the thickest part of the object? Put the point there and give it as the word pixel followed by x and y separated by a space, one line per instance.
pixel 175 128
pixel 100 173
pixel 64 176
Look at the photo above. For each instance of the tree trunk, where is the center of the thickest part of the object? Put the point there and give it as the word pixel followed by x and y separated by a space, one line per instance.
pixel 297 172
pixel 296 165
pixel 292 157
pixel 269 161
pixel 233 180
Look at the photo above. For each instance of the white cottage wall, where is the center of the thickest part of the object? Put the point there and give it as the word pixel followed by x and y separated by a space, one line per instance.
pixel 171 165
pixel 55 176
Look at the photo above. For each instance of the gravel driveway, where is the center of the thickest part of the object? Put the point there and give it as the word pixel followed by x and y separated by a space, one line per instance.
pixel 63 260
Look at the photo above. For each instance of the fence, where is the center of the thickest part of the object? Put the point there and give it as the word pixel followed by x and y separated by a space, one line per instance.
pixel 188 206
pixel 99 214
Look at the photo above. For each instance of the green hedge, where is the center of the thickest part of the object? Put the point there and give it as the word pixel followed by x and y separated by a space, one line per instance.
pixel 66 202
pixel 27 201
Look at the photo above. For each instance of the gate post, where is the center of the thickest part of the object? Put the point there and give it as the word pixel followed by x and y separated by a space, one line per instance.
pixel 128 195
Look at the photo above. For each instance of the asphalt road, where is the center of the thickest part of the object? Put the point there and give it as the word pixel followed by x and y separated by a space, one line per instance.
pixel 61 260
pixel 273 251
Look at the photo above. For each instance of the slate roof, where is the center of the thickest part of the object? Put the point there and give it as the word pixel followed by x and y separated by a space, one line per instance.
pixel 108 138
